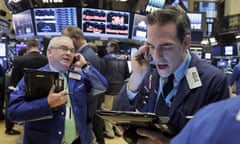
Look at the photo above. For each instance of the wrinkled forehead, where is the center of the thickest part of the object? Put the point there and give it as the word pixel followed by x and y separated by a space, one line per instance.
pixel 61 41
pixel 64 42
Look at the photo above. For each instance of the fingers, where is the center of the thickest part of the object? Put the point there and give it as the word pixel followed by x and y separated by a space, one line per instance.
pixel 57 99
pixel 52 89
pixel 142 51
pixel 151 135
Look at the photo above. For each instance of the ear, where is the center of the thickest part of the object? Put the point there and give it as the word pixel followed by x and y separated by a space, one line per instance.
pixel 187 42
pixel 49 52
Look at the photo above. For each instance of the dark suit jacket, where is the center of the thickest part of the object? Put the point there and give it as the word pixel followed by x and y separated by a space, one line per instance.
pixel 186 101
pixel 90 56
pixel 31 60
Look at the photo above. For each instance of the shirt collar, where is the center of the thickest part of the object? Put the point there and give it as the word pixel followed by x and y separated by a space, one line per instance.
pixel 54 69
pixel 181 70
pixel 83 46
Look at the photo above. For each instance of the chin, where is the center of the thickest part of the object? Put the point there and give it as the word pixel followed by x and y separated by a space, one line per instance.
pixel 164 73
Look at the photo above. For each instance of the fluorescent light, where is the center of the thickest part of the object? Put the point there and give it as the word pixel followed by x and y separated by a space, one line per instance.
pixel 237 36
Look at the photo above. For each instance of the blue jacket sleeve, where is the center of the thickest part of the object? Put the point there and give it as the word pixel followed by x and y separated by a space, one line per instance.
pixel 98 82
pixel 20 110
pixel 234 76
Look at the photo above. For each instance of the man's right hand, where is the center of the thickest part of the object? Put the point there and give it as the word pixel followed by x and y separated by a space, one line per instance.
pixel 140 66
pixel 151 137
pixel 56 99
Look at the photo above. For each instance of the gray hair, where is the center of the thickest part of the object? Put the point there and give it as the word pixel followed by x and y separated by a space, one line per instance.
pixel 54 41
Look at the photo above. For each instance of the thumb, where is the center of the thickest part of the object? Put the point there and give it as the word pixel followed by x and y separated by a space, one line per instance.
pixel 52 89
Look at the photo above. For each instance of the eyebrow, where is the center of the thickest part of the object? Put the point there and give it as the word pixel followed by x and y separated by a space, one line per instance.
pixel 161 45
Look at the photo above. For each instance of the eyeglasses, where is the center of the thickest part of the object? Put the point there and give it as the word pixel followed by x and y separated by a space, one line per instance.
pixel 65 49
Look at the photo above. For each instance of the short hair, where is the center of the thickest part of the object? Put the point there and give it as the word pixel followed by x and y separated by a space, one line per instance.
pixel 74 32
pixel 171 14
pixel 55 40
pixel 32 44
pixel 114 44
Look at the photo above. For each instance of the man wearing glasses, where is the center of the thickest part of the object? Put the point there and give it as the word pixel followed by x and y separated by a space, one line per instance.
pixel 59 117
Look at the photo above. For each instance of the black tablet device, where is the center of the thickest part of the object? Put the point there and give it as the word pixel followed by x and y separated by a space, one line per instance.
pixel 39 82
pixel 139 120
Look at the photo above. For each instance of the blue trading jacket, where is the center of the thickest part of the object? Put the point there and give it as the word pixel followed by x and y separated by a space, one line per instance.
pixel 186 101
pixel 218 123
pixel 43 125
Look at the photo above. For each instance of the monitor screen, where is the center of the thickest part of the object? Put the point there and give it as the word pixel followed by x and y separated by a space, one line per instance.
pixel 23 24
pixel 105 23
pixel 51 21
pixel 217 50
pixel 210 8
pixel 207 56
pixel 228 50
pixel 196 20
pixel 139 29
pixel 221 63
pixel 3 49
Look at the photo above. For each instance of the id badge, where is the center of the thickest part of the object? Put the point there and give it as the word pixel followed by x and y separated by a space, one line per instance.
pixel 193 78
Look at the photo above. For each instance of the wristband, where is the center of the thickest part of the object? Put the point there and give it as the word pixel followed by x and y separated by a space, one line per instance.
pixel 85 65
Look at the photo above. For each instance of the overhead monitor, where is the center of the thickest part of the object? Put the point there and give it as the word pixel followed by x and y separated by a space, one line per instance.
pixel 105 23
pixel 23 24
pixel 51 21
pixel 209 7
pixel 139 29
pixel 196 21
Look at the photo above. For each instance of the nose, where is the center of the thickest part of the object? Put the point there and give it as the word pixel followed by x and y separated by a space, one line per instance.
pixel 156 53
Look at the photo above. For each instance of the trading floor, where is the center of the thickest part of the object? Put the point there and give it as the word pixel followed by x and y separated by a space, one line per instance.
pixel 12 139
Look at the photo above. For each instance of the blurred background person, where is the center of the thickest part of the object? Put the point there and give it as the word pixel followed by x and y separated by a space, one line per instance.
pixel 2 92
pixel 98 123
pixel 116 73
pixel 31 59
pixel 235 78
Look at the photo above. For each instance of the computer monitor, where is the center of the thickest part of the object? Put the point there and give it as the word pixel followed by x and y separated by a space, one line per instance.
pixel 139 29
pixel 228 50
pixel 209 7
pixel 221 63
pixel 23 24
pixel 51 21
pixel 207 56
pixel 196 20
pixel 3 49
pixel 105 23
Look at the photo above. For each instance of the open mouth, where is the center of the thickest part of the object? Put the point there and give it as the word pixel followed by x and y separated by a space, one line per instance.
pixel 162 66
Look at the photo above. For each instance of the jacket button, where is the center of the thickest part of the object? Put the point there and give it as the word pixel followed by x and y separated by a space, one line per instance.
pixel 60 132
pixel 62 113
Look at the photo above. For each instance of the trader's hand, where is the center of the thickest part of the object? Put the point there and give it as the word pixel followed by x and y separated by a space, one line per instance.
pixel 140 66
pixel 151 137
pixel 56 99
pixel 80 61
